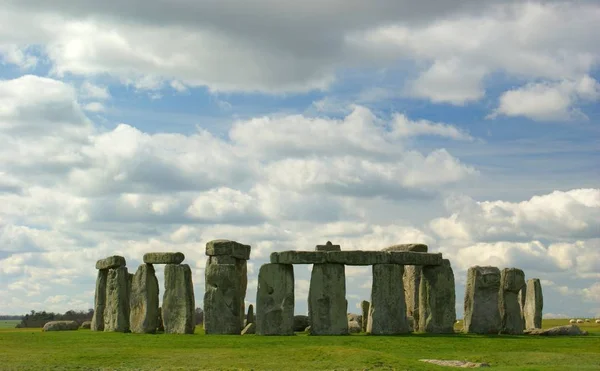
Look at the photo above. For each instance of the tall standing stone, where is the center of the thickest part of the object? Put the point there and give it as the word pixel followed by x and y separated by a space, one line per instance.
pixel 522 298
pixel 534 304
pixel 99 301
pixel 242 274
pixel 437 299
pixel 387 312
pixel 364 306
pixel 116 311
pixel 327 305
pixel 482 314
pixel 275 300
pixel 223 305
pixel 512 281
pixel 143 315
pixel 178 307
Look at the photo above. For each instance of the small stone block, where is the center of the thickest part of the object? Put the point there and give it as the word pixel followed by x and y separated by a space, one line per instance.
pixel 226 247
pixel 114 261
pixel 163 258
pixel 328 247
pixel 299 257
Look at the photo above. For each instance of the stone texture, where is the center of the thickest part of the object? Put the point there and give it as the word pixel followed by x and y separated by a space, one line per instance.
pixel 60 326
pixel 512 281
pixel 227 247
pixel 178 310
pixel 116 311
pixel 160 327
pixel 275 300
pixel 568 330
pixel 437 299
pixel 163 258
pixel 356 257
pixel 114 261
pixel 86 325
pixel 143 301
pixel 416 247
pixel 412 283
pixel 242 277
pixel 522 297
pixel 250 315
pixel 364 306
pixel 299 257
pixel 327 305
pixel 223 306
pixel 222 259
pixel 387 313
pixel 300 323
pixel 481 311
pixel 534 304
pixel 328 247
pixel 354 327
pixel 414 258
pixel 99 301
pixel 355 317
pixel 249 329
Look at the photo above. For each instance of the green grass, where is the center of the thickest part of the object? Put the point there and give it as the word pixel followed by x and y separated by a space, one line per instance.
pixel 83 349
pixel 9 323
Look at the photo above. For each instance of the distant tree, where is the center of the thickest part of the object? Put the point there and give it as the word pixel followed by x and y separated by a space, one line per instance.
pixel 199 316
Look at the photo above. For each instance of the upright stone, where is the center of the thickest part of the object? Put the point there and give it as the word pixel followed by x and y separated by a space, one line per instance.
pixel 387 313
pixel 143 316
pixel 116 311
pixel 437 299
pixel 482 314
pixel 534 304
pixel 522 298
pixel 275 300
pixel 99 301
pixel 223 305
pixel 327 305
pixel 250 315
pixel 178 310
pixel 364 306
pixel 512 281
pixel 242 276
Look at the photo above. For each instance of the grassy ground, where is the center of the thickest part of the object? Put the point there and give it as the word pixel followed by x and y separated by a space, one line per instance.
pixel 9 323
pixel 83 349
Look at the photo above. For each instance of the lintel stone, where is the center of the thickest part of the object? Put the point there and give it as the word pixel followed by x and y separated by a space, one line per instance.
pixel 227 247
pixel 114 261
pixel 356 257
pixel 163 258
pixel 416 247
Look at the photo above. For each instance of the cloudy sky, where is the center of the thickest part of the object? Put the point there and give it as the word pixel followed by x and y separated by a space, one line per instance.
pixel 135 126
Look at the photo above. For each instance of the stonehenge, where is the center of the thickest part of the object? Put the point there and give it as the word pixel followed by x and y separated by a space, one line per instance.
pixel 143 302
pixel 327 305
pixel 512 280
pixel 364 306
pixel 481 311
pixel 275 300
pixel 437 313
pixel 534 304
pixel 386 312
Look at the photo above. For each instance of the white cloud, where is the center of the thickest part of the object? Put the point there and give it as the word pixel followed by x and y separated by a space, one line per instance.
pixel 89 90
pixel 94 107
pixel 404 127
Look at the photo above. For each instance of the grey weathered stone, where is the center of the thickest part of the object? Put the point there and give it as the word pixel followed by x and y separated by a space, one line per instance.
pixel 223 305
pixel 328 247
pixel 411 323
pixel 568 330
pixel 522 297
pixel 353 327
pixel 512 281
pixel 250 315
pixel 99 301
pixel 437 299
pixel 356 257
pixel 242 272
pixel 160 327
pixel 534 304
pixel 86 325
pixel 163 258
pixel 249 329
pixel 481 311
pixel 227 247
pixel 364 306
pixel 299 257
pixel 355 317
pixel 416 247
pixel 387 313
pixel 275 300
pixel 116 311
pixel 221 259
pixel 412 282
pixel 114 261
pixel 143 301
pixel 414 258
pixel 61 326
pixel 327 305
pixel 178 304
pixel 300 322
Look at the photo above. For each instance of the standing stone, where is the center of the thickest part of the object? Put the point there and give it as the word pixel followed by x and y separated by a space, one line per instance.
pixel 364 306
pixel 250 315
pixel 327 305
pixel 437 299
pixel 178 300
pixel 116 311
pixel 512 281
pixel 223 306
pixel 143 315
pixel 534 304
pixel 522 298
pixel 242 277
pixel 275 300
pixel 387 313
pixel 99 301
pixel 482 315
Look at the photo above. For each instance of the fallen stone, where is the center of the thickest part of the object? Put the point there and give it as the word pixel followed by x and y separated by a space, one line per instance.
pixel 116 311
pixel 353 327
pixel 412 283
pixel 534 304
pixel 437 299
pixel 178 305
pixel 250 315
pixel 568 330
pixel 163 258
pixel 250 329
pixel 481 311
pixel 512 280
pixel 61 326
pixel 327 305
pixel 143 301
pixel 458 364
pixel 328 247
pixel 416 247
pixel 275 300
pixel 387 312
pixel 226 247
pixel 114 261
pixel 300 323
pixel 364 306
pixel 99 301
pixel 223 306
pixel 86 325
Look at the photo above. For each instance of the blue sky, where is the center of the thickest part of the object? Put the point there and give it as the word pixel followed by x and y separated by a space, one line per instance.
pixel 469 126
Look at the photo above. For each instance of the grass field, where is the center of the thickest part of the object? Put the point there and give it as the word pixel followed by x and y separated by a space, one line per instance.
pixel 32 349
pixel 9 323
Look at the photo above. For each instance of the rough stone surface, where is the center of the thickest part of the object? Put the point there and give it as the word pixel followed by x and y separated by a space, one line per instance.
pixel 416 247
pixel 328 247
pixel 223 306
pixel 481 312
pixel 99 301
pixel 414 258
pixel 387 313
pixel 512 280
pixel 569 330
pixel 522 297
pixel 242 277
pixel 178 310
pixel 354 327
pixel 163 258
pixel 453 363
pixel 143 301
pixel 116 311
pixel 226 247
pixel 364 306
pixel 412 282
pixel 249 329
pixel 299 257
pixel 300 323
pixel 222 259
pixel 534 304
pixel 61 326
pixel 275 300
pixel 86 325
pixel 411 323
pixel 250 315
pixel 437 299
pixel 356 257
pixel 327 305
pixel 355 317
pixel 114 261
pixel 160 327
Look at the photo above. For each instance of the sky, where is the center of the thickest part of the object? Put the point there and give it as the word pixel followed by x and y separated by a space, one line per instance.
pixel 136 126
